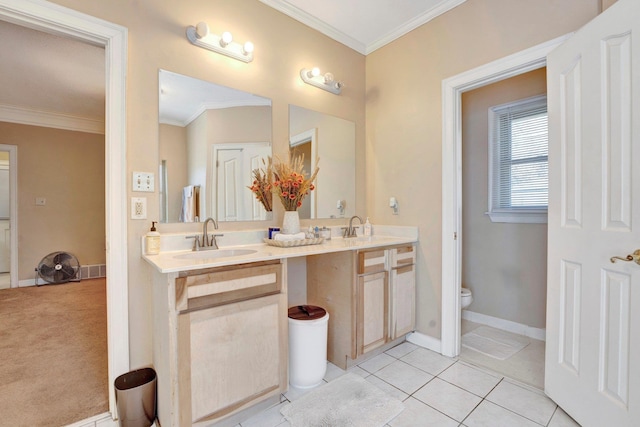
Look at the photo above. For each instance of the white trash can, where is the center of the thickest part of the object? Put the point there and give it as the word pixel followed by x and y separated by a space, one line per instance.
pixel 308 326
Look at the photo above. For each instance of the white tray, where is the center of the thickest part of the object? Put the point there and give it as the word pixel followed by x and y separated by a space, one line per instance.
pixel 293 243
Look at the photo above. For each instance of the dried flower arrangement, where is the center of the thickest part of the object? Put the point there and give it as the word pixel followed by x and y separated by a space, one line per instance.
pixel 262 184
pixel 290 182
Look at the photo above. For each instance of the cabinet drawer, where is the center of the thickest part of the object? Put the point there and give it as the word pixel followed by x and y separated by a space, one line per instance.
pixel 226 285
pixel 404 255
pixel 371 261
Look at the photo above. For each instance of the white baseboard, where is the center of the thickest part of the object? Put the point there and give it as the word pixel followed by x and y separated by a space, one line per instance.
pixel 505 325
pixel 425 341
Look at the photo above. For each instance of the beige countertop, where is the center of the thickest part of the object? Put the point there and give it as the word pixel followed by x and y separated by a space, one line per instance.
pixel 171 261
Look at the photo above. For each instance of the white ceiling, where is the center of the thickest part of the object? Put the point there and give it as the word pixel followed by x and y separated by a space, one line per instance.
pixel 363 25
pixel 48 73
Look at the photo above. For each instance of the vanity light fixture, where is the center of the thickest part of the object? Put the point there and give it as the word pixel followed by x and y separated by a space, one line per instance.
pixel 326 81
pixel 224 44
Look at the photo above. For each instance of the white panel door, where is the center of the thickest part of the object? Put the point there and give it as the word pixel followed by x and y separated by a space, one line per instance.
pixel 229 183
pixel 593 305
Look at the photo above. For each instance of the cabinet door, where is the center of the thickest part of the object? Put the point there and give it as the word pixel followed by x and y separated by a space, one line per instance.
pixel 372 311
pixel 230 356
pixel 403 297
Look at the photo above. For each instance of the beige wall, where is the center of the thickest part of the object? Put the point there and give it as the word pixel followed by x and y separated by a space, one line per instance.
pixel 404 113
pixel 282 47
pixel 66 168
pixel 503 264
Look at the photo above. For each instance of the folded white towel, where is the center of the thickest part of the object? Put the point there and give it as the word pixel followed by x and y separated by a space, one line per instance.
pixel 187 191
pixel 288 237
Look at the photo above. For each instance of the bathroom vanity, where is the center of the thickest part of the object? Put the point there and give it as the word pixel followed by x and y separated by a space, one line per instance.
pixel 220 318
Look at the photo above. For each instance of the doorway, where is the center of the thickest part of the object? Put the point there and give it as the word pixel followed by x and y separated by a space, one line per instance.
pixel 53 18
pixel 8 216
pixel 453 88
pixel 504 244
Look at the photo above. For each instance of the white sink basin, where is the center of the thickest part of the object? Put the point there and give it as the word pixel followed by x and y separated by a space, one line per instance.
pixel 215 253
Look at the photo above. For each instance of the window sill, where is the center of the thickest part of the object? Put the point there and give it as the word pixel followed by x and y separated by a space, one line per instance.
pixel 519 217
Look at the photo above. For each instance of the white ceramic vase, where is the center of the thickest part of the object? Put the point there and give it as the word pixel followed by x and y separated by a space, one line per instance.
pixel 291 222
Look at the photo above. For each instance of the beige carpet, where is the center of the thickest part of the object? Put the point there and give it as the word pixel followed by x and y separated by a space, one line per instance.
pixel 53 354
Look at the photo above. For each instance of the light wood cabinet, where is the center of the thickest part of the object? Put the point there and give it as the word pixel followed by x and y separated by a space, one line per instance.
pixel 370 296
pixel 372 323
pixel 229 356
pixel 372 319
pixel 228 350
pixel 403 291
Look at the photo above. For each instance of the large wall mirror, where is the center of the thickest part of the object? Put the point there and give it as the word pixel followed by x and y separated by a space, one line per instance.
pixel 210 139
pixel 332 140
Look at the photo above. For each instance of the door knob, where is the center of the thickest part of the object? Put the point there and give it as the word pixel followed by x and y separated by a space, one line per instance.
pixel 635 257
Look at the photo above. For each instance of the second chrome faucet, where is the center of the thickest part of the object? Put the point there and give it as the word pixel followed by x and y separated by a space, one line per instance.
pixel 350 231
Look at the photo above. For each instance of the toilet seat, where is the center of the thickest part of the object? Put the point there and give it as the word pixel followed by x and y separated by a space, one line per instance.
pixel 465 292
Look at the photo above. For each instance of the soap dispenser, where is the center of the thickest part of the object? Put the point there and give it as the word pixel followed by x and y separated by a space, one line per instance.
pixel 367 227
pixel 152 243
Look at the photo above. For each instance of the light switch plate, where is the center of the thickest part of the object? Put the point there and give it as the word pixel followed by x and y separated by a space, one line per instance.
pixel 138 208
pixel 143 181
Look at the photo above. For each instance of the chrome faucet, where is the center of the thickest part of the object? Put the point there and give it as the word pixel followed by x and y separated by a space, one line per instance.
pixel 206 242
pixel 351 230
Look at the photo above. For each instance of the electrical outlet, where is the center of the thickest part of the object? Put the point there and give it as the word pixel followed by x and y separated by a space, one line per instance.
pixel 143 181
pixel 138 208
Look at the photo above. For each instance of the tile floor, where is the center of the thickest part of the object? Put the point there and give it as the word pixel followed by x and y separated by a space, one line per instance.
pixel 441 392
pixel 527 365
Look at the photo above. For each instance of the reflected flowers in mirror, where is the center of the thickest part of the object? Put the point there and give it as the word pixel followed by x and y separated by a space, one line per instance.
pixel 262 184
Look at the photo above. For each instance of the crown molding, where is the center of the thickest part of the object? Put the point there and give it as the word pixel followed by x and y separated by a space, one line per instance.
pixel 414 23
pixel 26 116
pixel 316 24
pixel 214 105
pixel 358 46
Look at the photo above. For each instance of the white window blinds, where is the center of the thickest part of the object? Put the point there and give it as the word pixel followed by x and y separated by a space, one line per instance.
pixel 519 168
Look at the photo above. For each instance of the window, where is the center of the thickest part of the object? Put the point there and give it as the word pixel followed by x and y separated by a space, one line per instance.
pixel 518 161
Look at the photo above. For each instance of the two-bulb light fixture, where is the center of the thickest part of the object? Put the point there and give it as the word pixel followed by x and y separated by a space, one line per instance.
pixel 324 81
pixel 224 44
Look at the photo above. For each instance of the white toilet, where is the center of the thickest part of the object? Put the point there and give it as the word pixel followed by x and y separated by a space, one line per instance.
pixel 465 298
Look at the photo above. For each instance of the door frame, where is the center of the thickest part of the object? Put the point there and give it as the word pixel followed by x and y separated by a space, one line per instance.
pixel 310 136
pixel 52 18
pixel 452 89
pixel 13 212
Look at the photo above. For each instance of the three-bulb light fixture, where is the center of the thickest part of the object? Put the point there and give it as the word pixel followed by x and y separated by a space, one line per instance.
pixel 224 44
pixel 324 81
pixel 201 36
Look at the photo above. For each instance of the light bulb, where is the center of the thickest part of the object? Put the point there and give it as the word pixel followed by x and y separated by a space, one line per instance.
pixel 202 30
pixel 338 85
pixel 226 39
pixel 328 78
pixel 247 48
pixel 315 72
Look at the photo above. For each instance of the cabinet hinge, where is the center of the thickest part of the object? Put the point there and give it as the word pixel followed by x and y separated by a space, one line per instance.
pixel 455 235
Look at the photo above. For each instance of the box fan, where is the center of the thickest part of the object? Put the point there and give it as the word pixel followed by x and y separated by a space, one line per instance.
pixel 58 267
